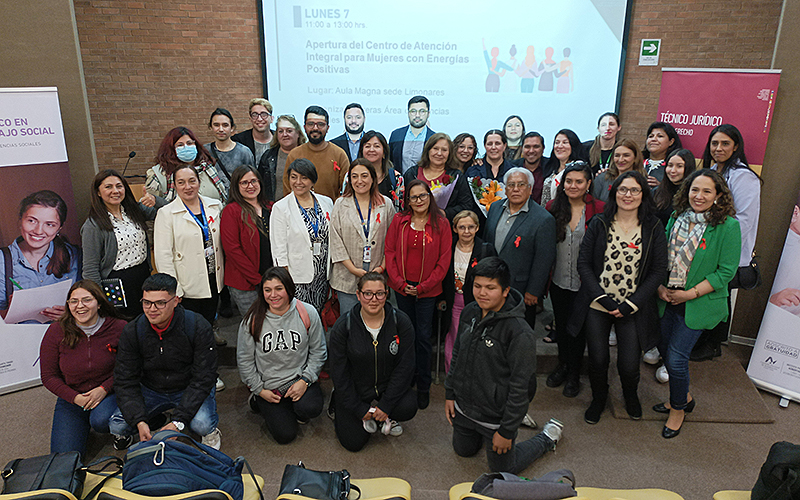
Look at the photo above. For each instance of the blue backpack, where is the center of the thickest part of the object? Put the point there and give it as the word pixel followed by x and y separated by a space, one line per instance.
pixel 164 466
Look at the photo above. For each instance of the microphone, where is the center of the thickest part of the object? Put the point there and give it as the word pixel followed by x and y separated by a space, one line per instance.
pixel 130 155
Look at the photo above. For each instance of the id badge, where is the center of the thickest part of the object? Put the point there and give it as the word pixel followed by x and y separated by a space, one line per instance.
pixel 367 254
pixel 209 251
pixel 317 248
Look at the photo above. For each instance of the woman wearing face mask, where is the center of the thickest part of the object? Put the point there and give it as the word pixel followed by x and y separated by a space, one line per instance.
pixel 359 221
pixel 514 129
pixel 680 165
pixel 662 139
pixel 704 247
pixel 601 148
pixel 724 153
pixel 566 148
pixel 466 151
pixel 374 148
pixel 495 165
pixel 180 148
pixel 40 255
pixel 288 135
pixel 625 157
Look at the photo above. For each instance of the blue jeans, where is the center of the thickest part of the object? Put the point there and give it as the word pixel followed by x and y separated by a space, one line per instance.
pixel 421 313
pixel 203 423
pixel 347 301
pixel 677 341
pixel 71 424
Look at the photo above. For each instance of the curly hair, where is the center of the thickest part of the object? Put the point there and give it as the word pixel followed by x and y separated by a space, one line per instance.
pixel 722 207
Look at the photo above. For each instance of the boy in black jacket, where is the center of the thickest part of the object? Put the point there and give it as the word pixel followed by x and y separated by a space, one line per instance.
pixel 492 376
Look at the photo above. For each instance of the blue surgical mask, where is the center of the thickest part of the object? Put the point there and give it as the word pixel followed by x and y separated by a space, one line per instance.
pixel 186 154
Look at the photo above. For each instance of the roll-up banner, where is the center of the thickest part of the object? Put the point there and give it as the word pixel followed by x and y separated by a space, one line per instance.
pixel 33 157
pixel 694 101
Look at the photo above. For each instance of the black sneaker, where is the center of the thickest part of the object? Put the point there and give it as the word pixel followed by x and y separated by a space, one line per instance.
pixel 253 403
pixel 592 415
pixel 423 399
pixel 122 442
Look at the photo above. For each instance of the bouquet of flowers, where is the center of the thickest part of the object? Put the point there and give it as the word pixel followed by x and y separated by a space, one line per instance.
pixel 486 191
pixel 442 190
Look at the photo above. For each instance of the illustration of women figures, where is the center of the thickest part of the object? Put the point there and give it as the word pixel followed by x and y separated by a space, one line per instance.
pixel 494 66
pixel 527 72
pixel 566 79
pixel 510 77
pixel 547 68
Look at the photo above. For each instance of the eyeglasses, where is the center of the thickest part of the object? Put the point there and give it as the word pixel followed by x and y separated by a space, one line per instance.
pixel 418 197
pixel 252 182
pixel 160 304
pixel 517 185
pixel 471 227
pixel 263 115
pixel 377 295
pixel 85 301
pixel 415 112
pixel 313 125
pixel 633 191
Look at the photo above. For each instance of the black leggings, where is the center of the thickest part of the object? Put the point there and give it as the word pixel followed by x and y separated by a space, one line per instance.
pixel 598 326
pixel 207 308
pixel 350 429
pixel 570 349
pixel 281 418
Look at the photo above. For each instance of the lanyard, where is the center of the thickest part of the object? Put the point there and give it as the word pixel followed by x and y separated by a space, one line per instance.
pixel 201 221
pixel 364 225
pixel 314 222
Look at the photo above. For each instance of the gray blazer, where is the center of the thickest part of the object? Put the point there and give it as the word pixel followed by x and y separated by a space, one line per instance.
pixel 529 248
pixel 100 248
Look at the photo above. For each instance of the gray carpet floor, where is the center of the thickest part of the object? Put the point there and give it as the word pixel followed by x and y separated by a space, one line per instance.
pixel 615 453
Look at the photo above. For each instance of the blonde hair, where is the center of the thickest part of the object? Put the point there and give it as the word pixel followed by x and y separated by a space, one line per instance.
pixel 259 101
pixel 463 215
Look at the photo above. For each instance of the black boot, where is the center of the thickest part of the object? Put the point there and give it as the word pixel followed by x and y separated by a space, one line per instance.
pixel 631 394
pixel 558 376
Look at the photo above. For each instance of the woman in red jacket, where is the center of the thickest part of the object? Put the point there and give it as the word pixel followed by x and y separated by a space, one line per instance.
pixel 77 364
pixel 244 231
pixel 418 248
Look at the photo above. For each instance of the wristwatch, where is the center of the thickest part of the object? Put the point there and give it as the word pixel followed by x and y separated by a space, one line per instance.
pixel 179 425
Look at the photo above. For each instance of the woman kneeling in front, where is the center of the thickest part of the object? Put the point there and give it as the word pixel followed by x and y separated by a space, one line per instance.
pixel 280 352
pixel 372 364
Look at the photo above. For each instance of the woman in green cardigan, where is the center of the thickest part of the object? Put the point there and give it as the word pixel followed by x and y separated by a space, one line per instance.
pixel 704 242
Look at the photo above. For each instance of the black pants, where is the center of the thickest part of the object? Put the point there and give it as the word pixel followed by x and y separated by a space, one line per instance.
pixel 719 333
pixel 350 429
pixel 598 326
pixel 570 349
pixel 132 280
pixel 281 418
pixel 205 307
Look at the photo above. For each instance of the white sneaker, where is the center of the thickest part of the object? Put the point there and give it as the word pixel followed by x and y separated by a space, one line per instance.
pixel 652 357
pixel 553 429
pixel 370 426
pixel 527 421
pixel 213 439
pixel 662 375
pixel 612 338
pixel 392 428
pixel 220 385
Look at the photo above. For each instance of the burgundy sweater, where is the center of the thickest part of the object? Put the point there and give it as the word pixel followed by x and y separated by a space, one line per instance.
pixel 67 372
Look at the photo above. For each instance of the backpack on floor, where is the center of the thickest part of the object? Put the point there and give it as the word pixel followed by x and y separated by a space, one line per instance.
pixel 164 466
pixel 780 475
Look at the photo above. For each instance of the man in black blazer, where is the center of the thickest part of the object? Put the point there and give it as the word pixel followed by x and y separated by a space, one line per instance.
pixel 350 141
pixel 524 235
pixel 407 142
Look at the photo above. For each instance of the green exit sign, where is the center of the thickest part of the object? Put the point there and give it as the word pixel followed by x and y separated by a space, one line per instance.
pixel 649 52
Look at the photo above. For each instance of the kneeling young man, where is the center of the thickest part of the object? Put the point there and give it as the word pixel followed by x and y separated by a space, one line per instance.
pixel 492 376
pixel 166 359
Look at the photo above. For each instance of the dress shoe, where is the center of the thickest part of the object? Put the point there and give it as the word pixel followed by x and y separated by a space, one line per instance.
pixel 558 376
pixel 572 388
pixel 704 352
pixel 668 433
pixel 662 407
pixel 592 415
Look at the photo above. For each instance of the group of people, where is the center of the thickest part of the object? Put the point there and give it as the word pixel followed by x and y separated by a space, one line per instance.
pixel 638 242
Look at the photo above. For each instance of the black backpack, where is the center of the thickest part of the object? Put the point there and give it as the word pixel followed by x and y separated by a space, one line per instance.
pixel 780 475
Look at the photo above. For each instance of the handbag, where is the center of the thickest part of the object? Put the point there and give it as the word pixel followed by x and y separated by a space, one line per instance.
pixel 332 485
pixel 779 478
pixel 164 466
pixel 61 471
pixel 330 311
pixel 115 292
pixel 747 277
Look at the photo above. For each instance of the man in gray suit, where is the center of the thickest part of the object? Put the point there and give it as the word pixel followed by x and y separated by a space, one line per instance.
pixel 524 235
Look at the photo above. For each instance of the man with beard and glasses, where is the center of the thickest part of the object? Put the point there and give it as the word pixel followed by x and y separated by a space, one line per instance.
pixel 329 159
pixel 354 130
pixel 257 139
pixel 406 143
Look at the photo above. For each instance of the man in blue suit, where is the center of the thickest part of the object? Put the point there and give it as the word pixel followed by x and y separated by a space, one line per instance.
pixel 524 235
pixel 407 142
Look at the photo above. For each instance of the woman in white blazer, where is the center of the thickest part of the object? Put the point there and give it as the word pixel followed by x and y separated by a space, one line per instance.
pixel 188 246
pixel 299 228
pixel 358 231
